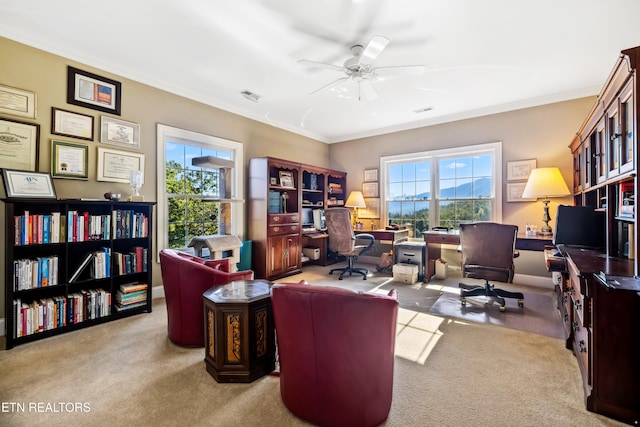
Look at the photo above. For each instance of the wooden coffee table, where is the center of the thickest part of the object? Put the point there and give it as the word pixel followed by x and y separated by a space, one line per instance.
pixel 239 331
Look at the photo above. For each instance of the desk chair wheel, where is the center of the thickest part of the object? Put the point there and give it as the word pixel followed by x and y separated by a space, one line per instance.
pixel 463 301
pixel 520 303
pixel 503 308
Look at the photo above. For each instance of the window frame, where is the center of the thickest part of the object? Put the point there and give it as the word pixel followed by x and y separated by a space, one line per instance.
pixel 172 134
pixel 495 148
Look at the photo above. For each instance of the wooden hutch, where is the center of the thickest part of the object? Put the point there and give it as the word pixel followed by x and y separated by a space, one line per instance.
pixel 600 298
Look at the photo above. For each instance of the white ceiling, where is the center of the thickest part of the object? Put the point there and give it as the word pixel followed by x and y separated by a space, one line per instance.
pixel 481 57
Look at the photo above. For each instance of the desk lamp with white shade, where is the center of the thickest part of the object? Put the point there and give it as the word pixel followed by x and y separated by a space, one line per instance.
pixel 545 183
pixel 355 201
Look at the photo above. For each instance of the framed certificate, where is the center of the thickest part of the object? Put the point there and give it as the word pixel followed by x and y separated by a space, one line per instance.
pixel 116 165
pixel 25 184
pixel 69 160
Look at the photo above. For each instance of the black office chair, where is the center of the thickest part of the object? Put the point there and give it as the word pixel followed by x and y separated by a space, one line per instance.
pixel 342 240
pixel 488 250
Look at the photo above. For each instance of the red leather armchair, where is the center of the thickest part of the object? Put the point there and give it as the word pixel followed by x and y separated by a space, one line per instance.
pixel 336 353
pixel 185 278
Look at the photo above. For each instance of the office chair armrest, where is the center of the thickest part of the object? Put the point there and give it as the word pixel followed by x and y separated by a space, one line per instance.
pixel 365 236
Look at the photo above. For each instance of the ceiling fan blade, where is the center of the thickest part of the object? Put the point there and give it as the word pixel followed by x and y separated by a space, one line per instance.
pixel 333 83
pixel 399 70
pixel 373 49
pixel 321 65
pixel 366 90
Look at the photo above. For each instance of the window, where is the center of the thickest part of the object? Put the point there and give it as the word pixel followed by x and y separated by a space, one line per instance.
pixel 442 188
pixel 183 212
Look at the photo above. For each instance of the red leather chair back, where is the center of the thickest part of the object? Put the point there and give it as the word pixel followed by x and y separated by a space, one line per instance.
pixel 336 353
pixel 185 278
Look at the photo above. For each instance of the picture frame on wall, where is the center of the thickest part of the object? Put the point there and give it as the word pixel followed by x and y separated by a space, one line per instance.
pixel 520 169
pixel 69 160
pixel 116 165
pixel 119 132
pixel 19 142
pixel 93 91
pixel 18 102
pixel 27 184
pixel 370 175
pixel 514 192
pixel 370 189
pixel 68 123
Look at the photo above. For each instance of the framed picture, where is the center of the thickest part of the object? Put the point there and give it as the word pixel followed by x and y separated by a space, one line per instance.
pixel 370 175
pixel 370 189
pixel 17 102
pixel 18 183
pixel 372 210
pixel 520 170
pixel 69 160
pixel 92 91
pixel 286 179
pixel 514 192
pixel 68 123
pixel 118 132
pixel 116 165
pixel 19 144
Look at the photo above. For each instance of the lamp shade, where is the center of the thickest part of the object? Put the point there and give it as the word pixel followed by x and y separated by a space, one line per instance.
pixel 545 182
pixel 355 200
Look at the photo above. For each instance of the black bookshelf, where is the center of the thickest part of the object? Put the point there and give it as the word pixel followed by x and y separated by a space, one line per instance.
pixel 65 262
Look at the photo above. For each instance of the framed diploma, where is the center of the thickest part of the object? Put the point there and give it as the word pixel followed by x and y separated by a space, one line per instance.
pixel 17 102
pixel 68 123
pixel 69 160
pixel 116 165
pixel 118 132
pixel 19 144
pixel 27 184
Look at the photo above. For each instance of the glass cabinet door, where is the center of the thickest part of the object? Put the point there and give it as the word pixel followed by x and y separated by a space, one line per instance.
pixel 626 126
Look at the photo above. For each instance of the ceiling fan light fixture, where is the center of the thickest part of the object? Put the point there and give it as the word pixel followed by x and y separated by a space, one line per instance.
pixel 251 96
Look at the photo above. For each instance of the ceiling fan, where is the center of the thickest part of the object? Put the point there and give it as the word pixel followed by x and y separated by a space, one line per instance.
pixel 359 68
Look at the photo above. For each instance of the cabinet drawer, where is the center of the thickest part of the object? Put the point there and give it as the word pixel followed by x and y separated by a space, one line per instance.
pixel 277 230
pixel 582 350
pixel 277 219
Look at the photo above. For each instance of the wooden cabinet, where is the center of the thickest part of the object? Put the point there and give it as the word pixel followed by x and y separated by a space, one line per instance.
pixel 277 212
pixel 69 264
pixel 604 321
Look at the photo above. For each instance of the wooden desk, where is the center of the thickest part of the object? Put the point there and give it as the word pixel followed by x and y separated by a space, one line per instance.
pixel 382 234
pixel 435 240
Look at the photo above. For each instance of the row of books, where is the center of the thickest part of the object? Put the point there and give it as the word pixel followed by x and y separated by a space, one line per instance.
pixel 82 227
pixel 51 313
pixel 77 226
pixel 129 224
pixel 335 188
pixel 131 295
pixel 35 273
pixel 132 262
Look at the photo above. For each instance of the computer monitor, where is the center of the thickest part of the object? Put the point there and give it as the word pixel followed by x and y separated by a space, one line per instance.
pixel 580 226
pixel 307 218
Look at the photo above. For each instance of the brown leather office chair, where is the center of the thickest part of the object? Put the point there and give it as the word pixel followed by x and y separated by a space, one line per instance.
pixel 342 240
pixel 488 250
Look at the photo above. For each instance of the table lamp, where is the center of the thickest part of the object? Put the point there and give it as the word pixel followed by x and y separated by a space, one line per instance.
pixel 545 183
pixel 355 201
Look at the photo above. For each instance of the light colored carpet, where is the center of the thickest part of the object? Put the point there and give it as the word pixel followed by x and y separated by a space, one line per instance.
pixel 447 373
